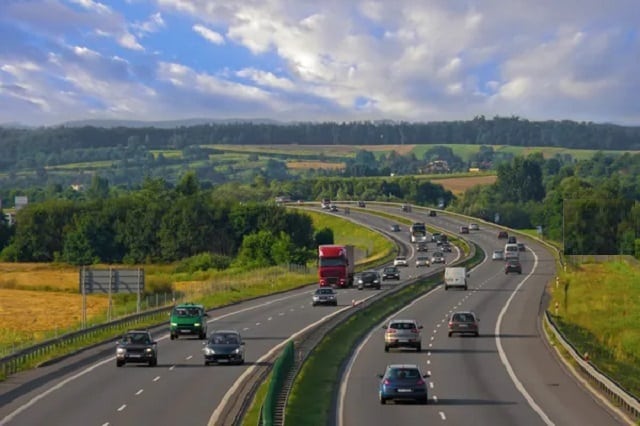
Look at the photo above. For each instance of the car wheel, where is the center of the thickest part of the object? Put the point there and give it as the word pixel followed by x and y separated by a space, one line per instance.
pixel 241 361
pixel 119 363
pixel 153 362
pixel 203 336
pixel 206 363
pixel 423 401
pixel 446 287
pixel 477 334
pixel 335 303
pixel 172 336
pixel 313 304
pixel 419 348
pixel 465 288
pixel 450 333
pixel 378 288
pixel 386 348
pixel 383 401
pixel 360 288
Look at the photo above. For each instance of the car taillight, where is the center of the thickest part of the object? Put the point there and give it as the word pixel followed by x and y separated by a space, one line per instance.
pixel 450 323
pixel 391 330
pixel 386 382
pixel 414 330
pixel 420 382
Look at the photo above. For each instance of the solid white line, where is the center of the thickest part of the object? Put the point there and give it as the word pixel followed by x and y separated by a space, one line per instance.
pixel 122 407
pixel 140 391
pixel 503 355
pixel 156 378
pixel 189 357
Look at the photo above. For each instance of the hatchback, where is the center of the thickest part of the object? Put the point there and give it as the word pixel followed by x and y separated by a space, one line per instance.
pixel 474 227
pixel 402 333
pixel 497 255
pixel 224 346
pixel 513 265
pixel 403 382
pixel 368 279
pixel 463 322
pixel 438 257
pixel 400 261
pixel 390 273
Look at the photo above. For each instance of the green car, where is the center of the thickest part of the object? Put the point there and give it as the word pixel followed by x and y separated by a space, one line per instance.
pixel 188 319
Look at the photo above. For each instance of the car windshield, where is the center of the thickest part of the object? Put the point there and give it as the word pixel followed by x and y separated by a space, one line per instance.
pixel 402 325
pixel 368 275
pixel 324 291
pixel 462 318
pixel 187 312
pixel 224 339
pixel 404 373
pixel 137 338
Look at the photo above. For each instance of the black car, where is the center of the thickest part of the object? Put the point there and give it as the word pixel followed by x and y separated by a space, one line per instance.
pixel 513 265
pixel 395 227
pixel 406 207
pixel 368 279
pixel 445 247
pixel 432 213
pixel 224 346
pixel 361 204
pixel 390 273
pixel 511 240
pixel 137 346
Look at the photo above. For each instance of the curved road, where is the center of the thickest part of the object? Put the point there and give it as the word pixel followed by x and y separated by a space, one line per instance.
pixel 507 376
pixel 88 389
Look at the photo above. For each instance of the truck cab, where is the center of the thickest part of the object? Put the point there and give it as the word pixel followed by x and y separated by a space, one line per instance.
pixel 336 265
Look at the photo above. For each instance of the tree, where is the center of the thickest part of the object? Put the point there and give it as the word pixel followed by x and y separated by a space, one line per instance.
pixel 99 188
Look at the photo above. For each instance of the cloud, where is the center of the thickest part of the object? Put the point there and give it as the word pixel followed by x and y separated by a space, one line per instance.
pixel 208 34
pixel 153 24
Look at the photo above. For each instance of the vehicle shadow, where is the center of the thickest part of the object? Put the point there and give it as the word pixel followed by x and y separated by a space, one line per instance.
pixel 470 401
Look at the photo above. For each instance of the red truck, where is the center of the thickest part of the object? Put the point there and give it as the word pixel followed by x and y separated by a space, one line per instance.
pixel 336 265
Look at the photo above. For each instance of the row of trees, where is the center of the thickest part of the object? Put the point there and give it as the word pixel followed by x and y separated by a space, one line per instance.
pixel 158 224
pixel 592 206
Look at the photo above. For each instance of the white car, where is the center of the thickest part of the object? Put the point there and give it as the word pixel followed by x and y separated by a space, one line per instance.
pixel 422 261
pixel 497 255
pixel 474 227
pixel 400 261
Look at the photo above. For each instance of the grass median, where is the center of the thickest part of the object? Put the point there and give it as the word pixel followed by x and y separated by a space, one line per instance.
pixel 316 385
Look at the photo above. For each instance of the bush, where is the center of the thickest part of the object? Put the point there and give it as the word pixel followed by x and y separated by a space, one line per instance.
pixel 203 262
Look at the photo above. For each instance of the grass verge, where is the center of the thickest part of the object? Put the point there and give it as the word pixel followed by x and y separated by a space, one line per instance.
pixel 253 414
pixel 599 312
pixel 316 385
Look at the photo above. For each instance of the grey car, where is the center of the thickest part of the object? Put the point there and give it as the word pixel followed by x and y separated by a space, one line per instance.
pixel 224 346
pixel 463 322
pixel 368 279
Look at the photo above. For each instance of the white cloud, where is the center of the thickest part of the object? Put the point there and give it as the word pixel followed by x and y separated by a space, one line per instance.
pixel 129 41
pixel 92 5
pixel 267 79
pixel 153 24
pixel 208 34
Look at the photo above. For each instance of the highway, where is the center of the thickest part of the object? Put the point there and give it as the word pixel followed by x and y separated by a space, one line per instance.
pixel 506 376
pixel 88 389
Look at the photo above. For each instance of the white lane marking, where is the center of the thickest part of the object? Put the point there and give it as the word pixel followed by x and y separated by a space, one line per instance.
pixel 49 391
pixel 435 399
pixel 503 355
pixel 281 313
pixel 257 323
pixel 269 319
pixel 105 424
pixel 429 373
pixel 189 357
pixel 438 326
pixel 430 345
pixel 302 306
pixel 292 309
pixel 122 407
pixel 431 385
pixel 245 329
pixel 442 416
pixel 428 361
pixel 140 391
pixel 435 331
pixel 215 417
pixel 432 337
pixel 156 378
pixel 429 353
pixel 172 367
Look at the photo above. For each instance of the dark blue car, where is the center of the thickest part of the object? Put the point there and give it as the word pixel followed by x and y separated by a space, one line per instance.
pixel 403 382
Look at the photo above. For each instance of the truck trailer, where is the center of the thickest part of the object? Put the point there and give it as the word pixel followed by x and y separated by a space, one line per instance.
pixel 336 265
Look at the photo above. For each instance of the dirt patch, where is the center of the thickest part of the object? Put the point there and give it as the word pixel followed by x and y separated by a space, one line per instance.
pixel 304 165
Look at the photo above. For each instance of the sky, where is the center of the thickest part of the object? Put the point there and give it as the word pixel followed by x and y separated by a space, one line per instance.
pixel 312 60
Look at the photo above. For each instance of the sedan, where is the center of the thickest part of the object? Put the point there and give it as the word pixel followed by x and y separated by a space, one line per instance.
pixel 402 382
pixel 368 279
pixel 521 247
pixel 395 228
pixel 464 229
pixel 422 261
pixel 390 273
pixel 503 235
pixel 497 255
pixel 513 265
pixel 474 227
pixel 224 346
pixel 325 296
pixel 400 261
pixel 463 322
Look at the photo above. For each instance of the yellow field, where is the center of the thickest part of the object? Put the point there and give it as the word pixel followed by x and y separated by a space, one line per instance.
pixel 32 313
pixel 38 276
pixel 459 185
pixel 298 165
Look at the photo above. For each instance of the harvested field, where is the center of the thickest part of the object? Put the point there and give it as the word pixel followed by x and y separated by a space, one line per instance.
pixel 39 276
pixel 459 185
pixel 305 165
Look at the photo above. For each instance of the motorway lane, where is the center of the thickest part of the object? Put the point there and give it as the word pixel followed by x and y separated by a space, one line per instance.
pixel 180 387
pixel 469 377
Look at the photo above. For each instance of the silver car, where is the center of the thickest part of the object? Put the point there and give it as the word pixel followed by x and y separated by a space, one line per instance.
pixel 402 333
pixel 325 296
pixel 438 257
pixel 497 255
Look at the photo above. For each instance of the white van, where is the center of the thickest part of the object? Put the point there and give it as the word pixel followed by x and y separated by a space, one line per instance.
pixel 455 277
pixel 511 251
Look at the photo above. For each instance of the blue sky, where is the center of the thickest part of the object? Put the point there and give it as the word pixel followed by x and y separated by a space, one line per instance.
pixel 337 60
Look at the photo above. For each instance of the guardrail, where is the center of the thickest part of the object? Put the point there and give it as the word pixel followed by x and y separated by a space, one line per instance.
pixel 13 363
pixel 281 369
pixel 626 401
